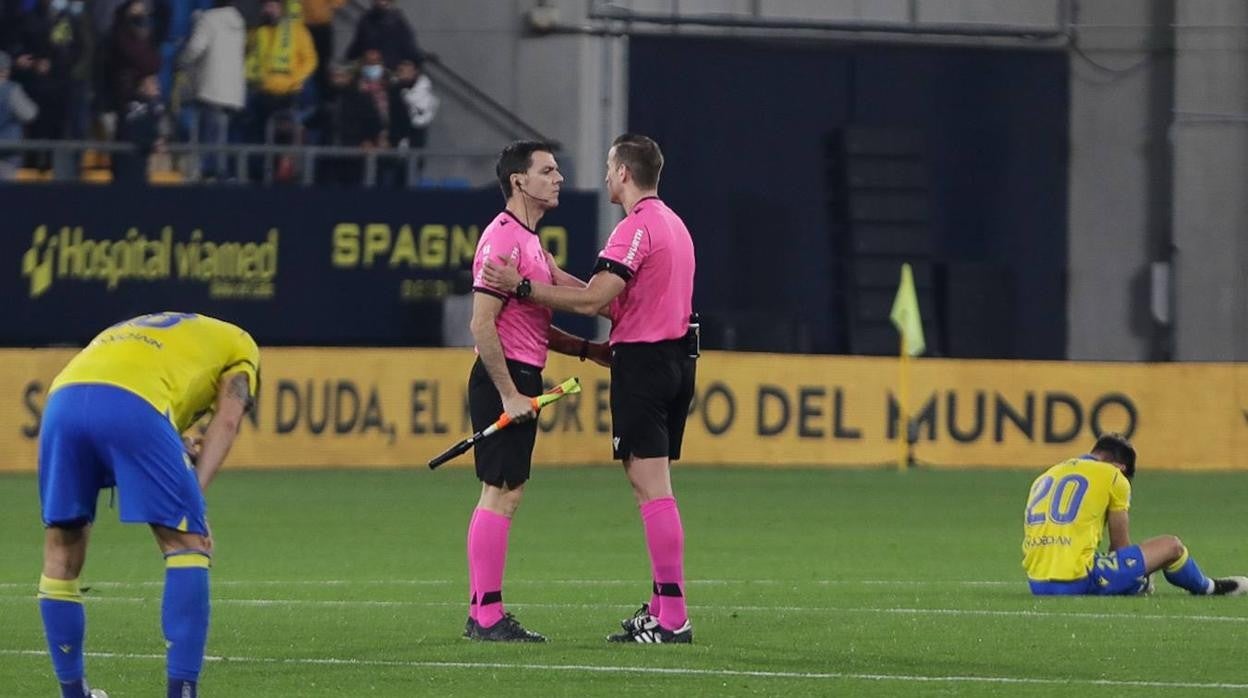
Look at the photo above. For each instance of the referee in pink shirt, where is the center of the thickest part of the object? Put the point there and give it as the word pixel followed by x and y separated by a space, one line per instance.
pixel 512 335
pixel 644 279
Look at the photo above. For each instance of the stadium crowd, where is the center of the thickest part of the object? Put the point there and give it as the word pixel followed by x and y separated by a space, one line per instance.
pixel 212 72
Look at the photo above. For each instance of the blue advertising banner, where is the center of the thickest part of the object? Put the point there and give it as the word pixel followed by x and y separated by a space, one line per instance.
pixel 293 266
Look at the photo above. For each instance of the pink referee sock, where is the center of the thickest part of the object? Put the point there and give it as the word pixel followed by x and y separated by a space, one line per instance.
pixel 472 581
pixel 487 555
pixel 665 537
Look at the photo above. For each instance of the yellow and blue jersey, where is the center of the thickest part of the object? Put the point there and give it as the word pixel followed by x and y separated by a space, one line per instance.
pixel 174 361
pixel 1065 517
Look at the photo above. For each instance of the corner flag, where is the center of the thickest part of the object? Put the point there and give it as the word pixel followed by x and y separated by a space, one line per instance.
pixel 905 315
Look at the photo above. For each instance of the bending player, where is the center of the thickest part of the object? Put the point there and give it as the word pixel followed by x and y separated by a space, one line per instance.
pixel 114 417
pixel 1069 506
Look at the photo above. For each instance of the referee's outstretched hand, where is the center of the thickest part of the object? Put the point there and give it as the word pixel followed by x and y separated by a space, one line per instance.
pixel 501 275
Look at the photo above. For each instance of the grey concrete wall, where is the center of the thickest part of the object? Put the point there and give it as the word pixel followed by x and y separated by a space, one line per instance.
pixel 1210 139
pixel 1120 93
pixel 1159 154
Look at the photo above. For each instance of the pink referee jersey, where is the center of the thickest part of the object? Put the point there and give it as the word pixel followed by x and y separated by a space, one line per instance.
pixel 652 251
pixel 523 326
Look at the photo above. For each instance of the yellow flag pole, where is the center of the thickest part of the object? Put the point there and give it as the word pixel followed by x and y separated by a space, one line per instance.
pixel 905 317
pixel 903 443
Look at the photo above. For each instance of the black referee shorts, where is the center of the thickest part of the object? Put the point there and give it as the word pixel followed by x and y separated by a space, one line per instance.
pixel 506 457
pixel 651 389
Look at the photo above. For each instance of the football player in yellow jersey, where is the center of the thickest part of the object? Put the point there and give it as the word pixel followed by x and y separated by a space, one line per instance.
pixel 1069 507
pixel 115 417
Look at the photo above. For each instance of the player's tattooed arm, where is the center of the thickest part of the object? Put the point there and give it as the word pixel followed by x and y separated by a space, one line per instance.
pixel 233 400
pixel 239 388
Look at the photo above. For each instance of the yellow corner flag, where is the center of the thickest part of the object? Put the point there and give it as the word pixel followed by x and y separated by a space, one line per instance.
pixel 905 315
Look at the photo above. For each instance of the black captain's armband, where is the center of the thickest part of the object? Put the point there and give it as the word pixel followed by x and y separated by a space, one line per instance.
pixel 614 267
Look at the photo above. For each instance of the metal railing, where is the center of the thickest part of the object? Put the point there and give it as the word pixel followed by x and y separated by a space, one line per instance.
pixel 605 18
pixel 484 105
pixel 244 158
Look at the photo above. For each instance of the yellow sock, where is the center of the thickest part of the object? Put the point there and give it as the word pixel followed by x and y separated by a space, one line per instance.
pixel 188 558
pixel 59 589
pixel 1178 564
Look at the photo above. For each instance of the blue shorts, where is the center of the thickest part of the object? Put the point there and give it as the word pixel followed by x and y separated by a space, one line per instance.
pixel 1120 573
pixel 96 436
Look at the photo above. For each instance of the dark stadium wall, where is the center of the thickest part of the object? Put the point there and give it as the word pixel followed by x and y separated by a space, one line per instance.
pixel 745 127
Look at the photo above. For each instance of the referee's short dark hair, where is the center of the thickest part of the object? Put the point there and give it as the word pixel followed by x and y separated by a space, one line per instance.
pixel 1117 449
pixel 641 155
pixel 517 158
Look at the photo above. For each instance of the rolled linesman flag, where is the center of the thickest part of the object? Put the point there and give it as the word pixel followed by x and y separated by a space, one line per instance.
pixel 571 385
pixel 905 315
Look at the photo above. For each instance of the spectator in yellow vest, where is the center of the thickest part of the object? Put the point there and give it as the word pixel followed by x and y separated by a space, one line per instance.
pixel 280 54
pixel 280 58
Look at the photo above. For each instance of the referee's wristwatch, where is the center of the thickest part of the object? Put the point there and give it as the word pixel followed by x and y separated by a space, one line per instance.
pixel 524 289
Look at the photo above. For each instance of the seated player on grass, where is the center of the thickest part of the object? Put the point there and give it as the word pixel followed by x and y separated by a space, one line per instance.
pixel 1070 505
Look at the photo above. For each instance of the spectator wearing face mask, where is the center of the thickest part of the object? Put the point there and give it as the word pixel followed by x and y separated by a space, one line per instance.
pixel 280 57
pixel 374 82
pixel 412 105
pixel 103 14
pixel 16 110
pixel 49 45
pixel 78 120
pixel 130 58
pixel 142 124
pixel 347 117
pixel 213 59
pixel 385 29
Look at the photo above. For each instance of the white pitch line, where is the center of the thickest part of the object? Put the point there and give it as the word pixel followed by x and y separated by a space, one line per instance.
pixel 367 603
pixel 560 582
pixel 666 671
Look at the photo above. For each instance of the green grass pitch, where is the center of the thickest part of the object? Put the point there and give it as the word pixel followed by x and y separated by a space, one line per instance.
pixel 801 582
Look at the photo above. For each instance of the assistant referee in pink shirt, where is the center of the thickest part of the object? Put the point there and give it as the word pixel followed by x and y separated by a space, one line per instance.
pixel 644 278
pixel 512 337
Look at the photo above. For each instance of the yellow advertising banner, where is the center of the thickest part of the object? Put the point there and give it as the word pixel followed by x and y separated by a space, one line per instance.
pixel 323 407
